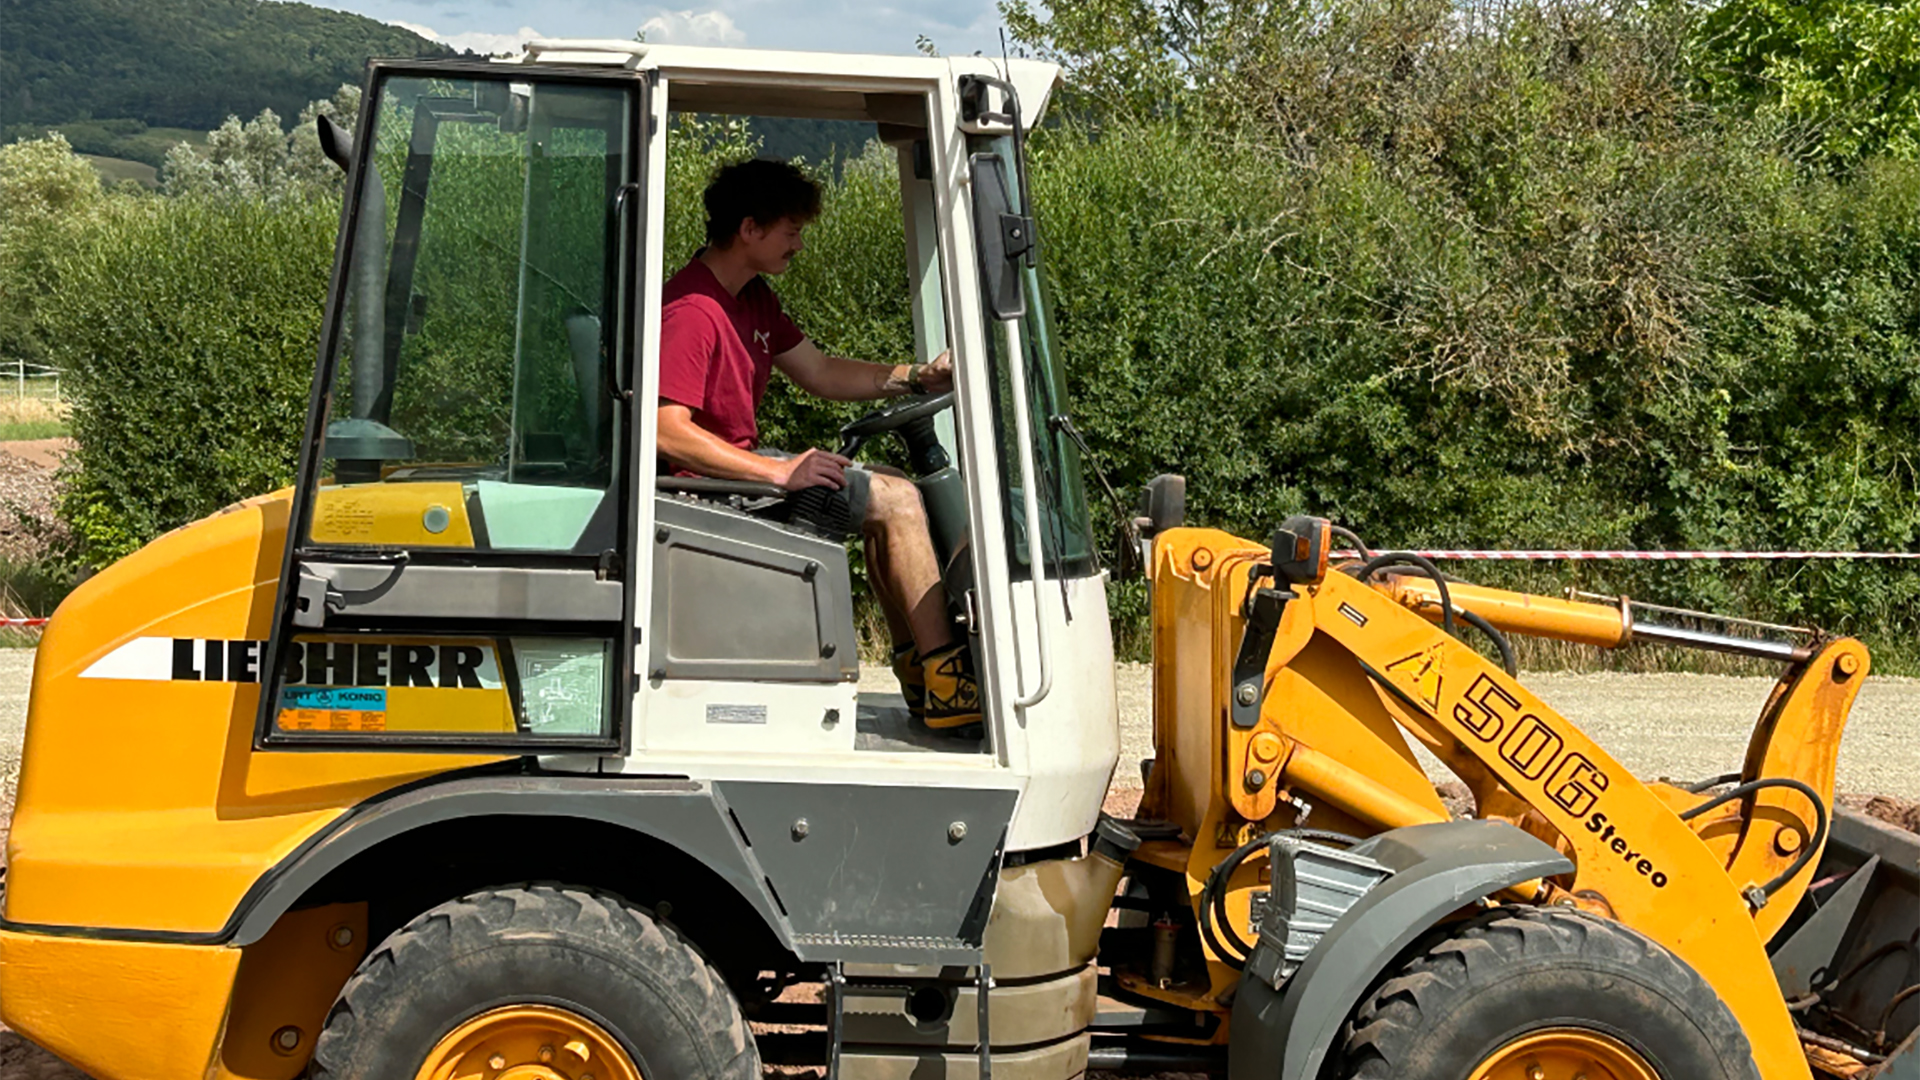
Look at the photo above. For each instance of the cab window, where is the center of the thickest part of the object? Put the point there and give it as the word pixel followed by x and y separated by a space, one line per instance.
pixel 470 403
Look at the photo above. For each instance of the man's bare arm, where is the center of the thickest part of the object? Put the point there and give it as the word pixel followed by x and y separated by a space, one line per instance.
pixel 696 449
pixel 838 378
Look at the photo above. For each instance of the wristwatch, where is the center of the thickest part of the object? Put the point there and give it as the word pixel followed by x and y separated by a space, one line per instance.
pixel 914 385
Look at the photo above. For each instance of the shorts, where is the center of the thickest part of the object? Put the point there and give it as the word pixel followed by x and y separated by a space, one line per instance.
pixel 834 513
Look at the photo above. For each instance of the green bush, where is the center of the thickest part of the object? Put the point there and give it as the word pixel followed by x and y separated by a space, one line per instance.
pixel 187 330
pixel 1480 275
pixel 1842 77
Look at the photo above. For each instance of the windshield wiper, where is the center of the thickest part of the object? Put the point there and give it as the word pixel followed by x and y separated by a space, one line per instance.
pixel 1063 423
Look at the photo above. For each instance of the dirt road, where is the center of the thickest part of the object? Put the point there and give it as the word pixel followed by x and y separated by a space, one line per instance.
pixel 1683 726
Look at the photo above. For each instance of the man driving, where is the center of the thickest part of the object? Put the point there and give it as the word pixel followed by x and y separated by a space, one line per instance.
pixel 722 333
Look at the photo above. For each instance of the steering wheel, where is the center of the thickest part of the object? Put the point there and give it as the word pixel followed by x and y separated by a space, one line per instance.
pixel 912 418
pixel 897 415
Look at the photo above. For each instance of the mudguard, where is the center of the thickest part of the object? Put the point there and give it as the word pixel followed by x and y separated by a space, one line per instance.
pixel 1438 869
pixel 829 886
pixel 682 813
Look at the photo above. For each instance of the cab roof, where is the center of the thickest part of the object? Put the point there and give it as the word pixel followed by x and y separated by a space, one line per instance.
pixel 819 85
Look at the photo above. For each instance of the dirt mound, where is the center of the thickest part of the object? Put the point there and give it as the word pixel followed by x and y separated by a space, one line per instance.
pixel 1902 813
pixel 28 489
pixel 21 1060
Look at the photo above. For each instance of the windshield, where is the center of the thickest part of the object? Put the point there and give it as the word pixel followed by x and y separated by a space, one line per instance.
pixel 1068 543
pixel 475 337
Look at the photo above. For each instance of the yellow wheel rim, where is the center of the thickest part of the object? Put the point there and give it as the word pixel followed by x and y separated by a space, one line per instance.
pixel 1565 1054
pixel 528 1042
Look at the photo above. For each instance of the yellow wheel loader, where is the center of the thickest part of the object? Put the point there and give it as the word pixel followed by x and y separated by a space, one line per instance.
pixel 491 749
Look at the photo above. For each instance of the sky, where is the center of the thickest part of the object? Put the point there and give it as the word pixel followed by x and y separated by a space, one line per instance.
pixel 955 26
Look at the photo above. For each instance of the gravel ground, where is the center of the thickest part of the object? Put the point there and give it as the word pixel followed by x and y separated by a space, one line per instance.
pixel 1685 726
pixel 1682 726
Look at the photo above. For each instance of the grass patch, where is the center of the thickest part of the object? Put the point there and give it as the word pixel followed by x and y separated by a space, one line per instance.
pixel 23 430
pixel 114 170
pixel 171 135
pixel 38 415
pixel 31 588
pixel 124 140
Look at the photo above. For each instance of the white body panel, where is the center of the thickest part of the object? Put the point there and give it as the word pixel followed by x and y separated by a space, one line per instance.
pixel 744 717
pixel 1066 745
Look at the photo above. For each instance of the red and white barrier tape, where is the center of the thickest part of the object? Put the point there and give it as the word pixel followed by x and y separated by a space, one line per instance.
pixel 1524 556
pixel 1650 556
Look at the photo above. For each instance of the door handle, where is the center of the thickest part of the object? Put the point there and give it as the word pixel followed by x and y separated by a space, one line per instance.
pixel 313 598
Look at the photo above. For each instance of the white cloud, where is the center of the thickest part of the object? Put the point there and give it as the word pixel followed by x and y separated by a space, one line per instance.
pixel 693 28
pixel 475 40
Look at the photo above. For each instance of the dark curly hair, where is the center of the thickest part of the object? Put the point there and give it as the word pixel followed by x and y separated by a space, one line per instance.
pixel 763 189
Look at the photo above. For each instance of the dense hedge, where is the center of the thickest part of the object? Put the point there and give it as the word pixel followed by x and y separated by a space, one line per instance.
pixel 1537 295
pixel 186 330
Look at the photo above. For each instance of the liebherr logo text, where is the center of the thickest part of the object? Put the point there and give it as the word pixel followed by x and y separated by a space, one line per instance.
pixel 342 663
pixel 1539 754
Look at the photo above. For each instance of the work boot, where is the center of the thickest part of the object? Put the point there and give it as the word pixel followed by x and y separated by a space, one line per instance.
pixel 913 682
pixel 952 692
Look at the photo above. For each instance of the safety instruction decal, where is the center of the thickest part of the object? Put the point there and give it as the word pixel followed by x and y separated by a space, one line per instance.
pixel 326 708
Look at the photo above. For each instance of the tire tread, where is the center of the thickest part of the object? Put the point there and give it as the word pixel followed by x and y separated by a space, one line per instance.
pixel 1411 999
pixel 684 977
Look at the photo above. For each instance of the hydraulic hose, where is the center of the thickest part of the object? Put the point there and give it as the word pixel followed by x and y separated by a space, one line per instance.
pixel 1742 790
pixel 1214 920
pixel 1408 558
pixel 1712 782
pixel 1508 663
pixel 1353 538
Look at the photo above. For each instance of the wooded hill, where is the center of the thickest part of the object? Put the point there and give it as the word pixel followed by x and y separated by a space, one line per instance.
pixel 181 63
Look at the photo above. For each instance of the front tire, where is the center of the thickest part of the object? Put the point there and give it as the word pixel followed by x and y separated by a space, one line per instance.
pixel 516 977
pixel 1545 994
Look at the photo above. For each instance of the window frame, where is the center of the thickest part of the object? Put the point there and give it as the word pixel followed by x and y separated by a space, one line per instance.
pixel 626 261
pixel 1046 378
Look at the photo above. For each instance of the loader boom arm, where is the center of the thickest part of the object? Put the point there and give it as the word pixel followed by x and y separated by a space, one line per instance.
pixel 1762 834
pixel 1634 854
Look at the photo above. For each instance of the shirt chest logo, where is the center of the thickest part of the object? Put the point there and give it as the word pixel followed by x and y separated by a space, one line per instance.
pixel 764 339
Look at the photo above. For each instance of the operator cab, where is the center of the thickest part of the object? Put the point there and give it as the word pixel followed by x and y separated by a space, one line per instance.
pixel 482 532
pixel 737 621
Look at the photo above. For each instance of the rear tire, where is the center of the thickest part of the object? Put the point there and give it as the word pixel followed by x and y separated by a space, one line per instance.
pixel 504 962
pixel 1521 988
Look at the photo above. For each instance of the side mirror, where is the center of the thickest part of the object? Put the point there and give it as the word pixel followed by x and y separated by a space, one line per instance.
pixel 1163 504
pixel 335 142
pixel 1002 236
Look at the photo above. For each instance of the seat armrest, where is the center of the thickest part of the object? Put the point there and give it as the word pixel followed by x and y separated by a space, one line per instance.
pixel 710 486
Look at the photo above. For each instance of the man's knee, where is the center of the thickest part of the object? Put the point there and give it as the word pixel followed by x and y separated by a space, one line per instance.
pixel 892 499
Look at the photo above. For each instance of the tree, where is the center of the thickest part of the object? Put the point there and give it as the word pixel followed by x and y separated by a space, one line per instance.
pixel 1845 73
pixel 45 189
pixel 41 180
pixel 259 160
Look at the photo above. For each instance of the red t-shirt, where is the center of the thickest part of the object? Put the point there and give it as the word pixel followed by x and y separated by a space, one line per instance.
pixel 717 349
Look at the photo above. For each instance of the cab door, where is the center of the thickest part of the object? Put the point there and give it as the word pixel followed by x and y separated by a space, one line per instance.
pixel 456 573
